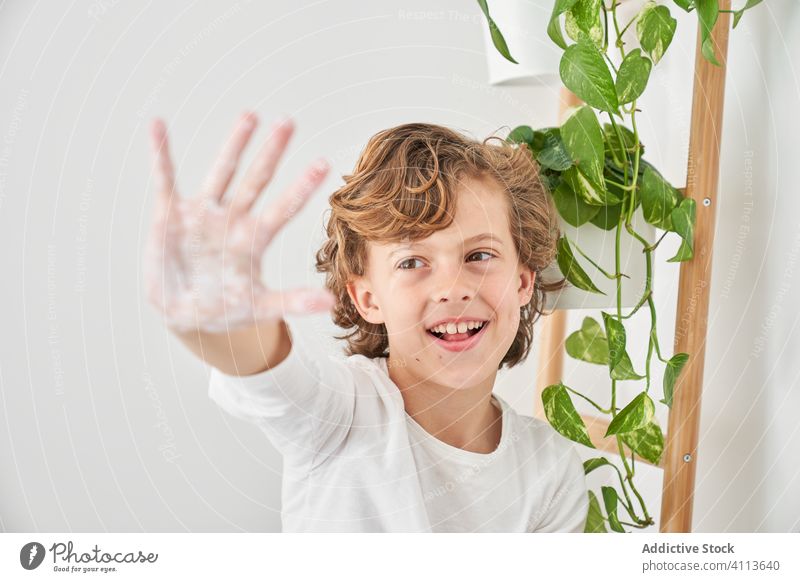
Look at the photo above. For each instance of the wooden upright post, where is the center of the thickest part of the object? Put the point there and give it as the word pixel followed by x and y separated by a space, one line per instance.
pixel 680 455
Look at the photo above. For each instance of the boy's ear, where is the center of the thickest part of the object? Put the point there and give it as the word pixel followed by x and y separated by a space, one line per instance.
pixel 527 278
pixel 363 298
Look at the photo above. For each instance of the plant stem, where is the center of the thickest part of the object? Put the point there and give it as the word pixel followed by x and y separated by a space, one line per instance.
pixel 589 400
pixel 611 63
pixel 629 505
pixel 617 184
pixel 638 305
pixel 629 24
pixel 619 42
pixel 624 152
pixel 636 525
pixel 654 246
pixel 631 204
pixel 617 263
pixel 596 266
pixel 636 157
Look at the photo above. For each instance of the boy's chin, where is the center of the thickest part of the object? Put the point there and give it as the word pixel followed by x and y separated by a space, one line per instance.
pixel 454 366
pixel 457 377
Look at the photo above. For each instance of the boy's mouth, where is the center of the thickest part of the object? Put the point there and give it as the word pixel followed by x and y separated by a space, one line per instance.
pixel 458 338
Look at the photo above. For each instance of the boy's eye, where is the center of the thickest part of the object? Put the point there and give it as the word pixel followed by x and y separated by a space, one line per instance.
pixel 400 266
pixel 481 253
pixel 407 261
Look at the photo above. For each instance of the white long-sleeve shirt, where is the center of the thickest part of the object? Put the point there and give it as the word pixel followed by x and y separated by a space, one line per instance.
pixel 355 461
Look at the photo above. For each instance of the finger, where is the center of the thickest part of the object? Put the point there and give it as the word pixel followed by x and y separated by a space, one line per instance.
pixel 290 203
pixel 164 170
pixel 162 272
pixel 152 267
pixel 277 304
pixel 154 255
pixel 224 167
pixel 260 172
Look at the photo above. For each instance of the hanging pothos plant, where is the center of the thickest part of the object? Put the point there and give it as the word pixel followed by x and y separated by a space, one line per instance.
pixel 597 176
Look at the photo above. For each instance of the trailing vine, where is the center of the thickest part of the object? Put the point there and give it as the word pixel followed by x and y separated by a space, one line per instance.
pixel 597 177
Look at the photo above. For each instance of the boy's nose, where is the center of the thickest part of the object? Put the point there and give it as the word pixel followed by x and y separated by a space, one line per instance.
pixel 453 284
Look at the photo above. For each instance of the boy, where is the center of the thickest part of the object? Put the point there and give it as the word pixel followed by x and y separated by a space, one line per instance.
pixel 432 261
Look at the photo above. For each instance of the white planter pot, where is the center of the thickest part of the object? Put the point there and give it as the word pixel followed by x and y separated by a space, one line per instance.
pixel 600 245
pixel 524 26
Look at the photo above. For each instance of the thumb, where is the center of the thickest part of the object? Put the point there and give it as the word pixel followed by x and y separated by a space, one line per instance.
pixel 277 304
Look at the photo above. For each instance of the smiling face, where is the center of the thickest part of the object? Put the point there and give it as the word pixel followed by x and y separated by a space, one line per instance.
pixel 467 271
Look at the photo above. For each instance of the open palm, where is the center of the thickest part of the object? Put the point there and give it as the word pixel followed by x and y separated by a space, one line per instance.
pixel 202 264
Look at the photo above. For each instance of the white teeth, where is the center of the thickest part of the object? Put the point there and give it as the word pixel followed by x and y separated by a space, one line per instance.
pixel 460 327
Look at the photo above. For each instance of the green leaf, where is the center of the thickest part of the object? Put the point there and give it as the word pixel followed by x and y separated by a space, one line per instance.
pixel 674 366
pixel 608 217
pixel 497 36
pixel 521 134
pixel 550 180
pixel 594 520
pixel 554 154
pixel 585 73
pixel 683 218
pixel 590 465
pixel 588 344
pixel 562 416
pixel 655 29
pixel 571 207
pixel 647 442
pixel 583 140
pixel 687 5
pixel 610 501
pixel 586 14
pixel 554 26
pixel 617 174
pixel 737 15
pixel 632 77
pixel 659 199
pixel 571 269
pixel 638 413
pixel 707 13
pixel 619 363
pixel 582 22
pixel 588 190
pixel 624 369
pixel 612 140
pixel 535 140
pixel 615 171
pixel 615 332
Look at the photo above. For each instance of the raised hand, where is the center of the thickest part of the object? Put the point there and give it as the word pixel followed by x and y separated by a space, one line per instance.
pixel 202 265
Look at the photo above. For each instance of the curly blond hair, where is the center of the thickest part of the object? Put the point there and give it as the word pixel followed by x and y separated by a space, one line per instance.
pixel 404 187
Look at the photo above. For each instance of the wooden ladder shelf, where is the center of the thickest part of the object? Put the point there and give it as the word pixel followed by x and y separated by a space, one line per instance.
pixel 679 461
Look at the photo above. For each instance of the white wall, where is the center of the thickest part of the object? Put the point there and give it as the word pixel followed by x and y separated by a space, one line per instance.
pixel 106 423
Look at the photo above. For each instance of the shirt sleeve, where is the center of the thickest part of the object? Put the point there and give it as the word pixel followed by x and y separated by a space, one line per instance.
pixel 569 507
pixel 304 404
